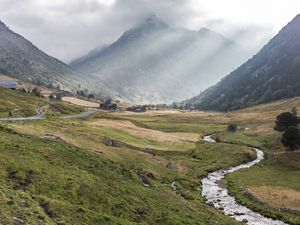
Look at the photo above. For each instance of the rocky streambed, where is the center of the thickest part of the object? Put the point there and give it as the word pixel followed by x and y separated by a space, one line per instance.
pixel 218 196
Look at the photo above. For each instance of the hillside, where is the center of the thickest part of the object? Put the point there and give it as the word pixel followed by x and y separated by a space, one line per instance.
pixel 20 59
pixel 270 75
pixel 21 104
pixel 118 168
pixel 18 103
pixel 154 62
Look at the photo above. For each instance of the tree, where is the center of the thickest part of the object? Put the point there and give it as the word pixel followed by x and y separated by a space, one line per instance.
pixel 232 127
pixel 90 96
pixel 286 120
pixel 291 138
pixel 174 105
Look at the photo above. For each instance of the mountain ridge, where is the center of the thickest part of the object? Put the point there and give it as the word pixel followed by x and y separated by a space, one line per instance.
pixel 272 74
pixel 21 59
pixel 154 62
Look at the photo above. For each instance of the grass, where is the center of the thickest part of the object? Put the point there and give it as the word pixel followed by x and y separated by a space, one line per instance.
pixel 80 180
pixel 21 104
pixel 58 183
pixel 240 138
pixel 268 174
pixel 176 123
pixel 59 107
pixel 280 171
pixel 267 188
pixel 18 103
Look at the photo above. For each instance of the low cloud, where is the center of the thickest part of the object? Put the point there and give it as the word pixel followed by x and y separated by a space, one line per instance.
pixel 69 29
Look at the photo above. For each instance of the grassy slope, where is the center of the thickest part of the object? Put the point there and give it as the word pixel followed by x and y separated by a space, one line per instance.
pixel 83 181
pixel 22 104
pixel 280 170
pixel 19 103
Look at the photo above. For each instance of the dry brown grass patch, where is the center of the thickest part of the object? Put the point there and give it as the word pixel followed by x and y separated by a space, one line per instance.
pixel 80 102
pixel 277 196
pixel 131 128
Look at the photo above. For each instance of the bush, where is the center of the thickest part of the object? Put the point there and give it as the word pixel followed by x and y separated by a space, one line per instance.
pixel 286 120
pixel 232 127
pixel 291 138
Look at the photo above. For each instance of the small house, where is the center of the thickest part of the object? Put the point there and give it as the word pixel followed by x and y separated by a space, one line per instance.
pixel 108 105
pixel 137 109
pixel 9 84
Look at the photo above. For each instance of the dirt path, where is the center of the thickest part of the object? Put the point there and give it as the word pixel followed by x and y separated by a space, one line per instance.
pixel 38 116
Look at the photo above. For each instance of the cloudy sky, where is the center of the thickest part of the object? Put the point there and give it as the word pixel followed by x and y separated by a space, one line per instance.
pixel 67 29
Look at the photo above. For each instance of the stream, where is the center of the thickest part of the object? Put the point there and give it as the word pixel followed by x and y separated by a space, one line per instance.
pixel 218 196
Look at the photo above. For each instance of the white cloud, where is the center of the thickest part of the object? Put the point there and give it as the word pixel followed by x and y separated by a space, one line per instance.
pixel 67 29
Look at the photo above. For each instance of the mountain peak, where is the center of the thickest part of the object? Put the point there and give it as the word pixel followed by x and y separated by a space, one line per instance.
pixel 210 33
pixel 204 30
pixel 154 21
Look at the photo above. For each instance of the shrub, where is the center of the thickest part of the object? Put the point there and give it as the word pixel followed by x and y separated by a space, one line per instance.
pixel 291 138
pixel 232 127
pixel 286 120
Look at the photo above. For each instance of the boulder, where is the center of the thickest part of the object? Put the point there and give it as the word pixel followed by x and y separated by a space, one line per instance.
pixel 111 142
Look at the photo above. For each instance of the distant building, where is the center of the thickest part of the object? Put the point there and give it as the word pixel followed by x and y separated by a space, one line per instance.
pixel 108 105
pixel 137 109
pixel 9 84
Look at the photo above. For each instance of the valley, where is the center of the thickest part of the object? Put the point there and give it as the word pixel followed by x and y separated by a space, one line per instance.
pixel 126 112
pixel 119 167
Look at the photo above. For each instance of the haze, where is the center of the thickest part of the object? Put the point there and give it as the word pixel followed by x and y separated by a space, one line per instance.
pixel 69 29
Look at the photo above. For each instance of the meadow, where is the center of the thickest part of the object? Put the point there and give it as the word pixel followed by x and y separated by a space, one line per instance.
pixel 78 178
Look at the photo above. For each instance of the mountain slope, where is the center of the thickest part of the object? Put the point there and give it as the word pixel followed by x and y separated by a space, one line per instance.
pixel 272 74
pixel 154 62
pixel 20 59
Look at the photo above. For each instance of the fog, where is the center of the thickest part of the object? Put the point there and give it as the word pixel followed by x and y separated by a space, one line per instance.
pixel 69 29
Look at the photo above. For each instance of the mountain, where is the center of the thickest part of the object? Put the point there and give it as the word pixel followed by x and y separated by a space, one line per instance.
pixel 89 56
pixel 154 62
pixel 20 59
pixel 272 74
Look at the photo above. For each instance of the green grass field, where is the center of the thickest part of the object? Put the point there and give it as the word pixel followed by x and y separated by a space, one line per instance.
pixel 56 182
pixel 78 179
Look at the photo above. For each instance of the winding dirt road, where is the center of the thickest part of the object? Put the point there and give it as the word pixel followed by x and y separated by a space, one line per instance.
pixel 40 116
